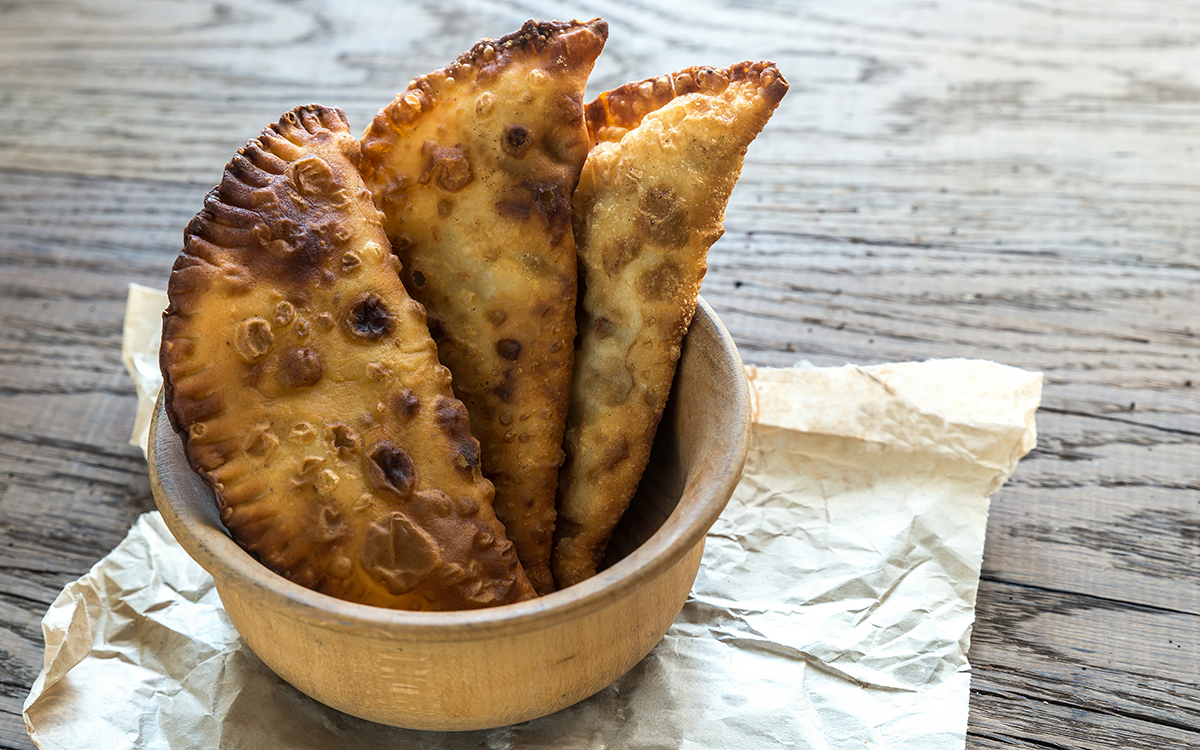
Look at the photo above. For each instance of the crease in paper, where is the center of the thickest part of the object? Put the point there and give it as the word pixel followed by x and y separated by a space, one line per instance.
pixel 833 608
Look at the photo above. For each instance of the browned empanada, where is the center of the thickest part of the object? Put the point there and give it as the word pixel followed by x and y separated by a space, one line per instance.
pixel 308 392
pixel 473 167
pixel 650 203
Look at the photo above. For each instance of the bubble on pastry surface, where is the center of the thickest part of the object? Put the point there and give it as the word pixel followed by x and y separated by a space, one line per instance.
pixel 300 367
pixel 339 566
pixel 327 481
pixel 351 262
pixel 445 166
pixel 284 313
pixel 497 317
pixel 378 371
pixel 485 105
pixel 343 441
pixel 395 470
pixel 253 338
pixel 262 442
pixel 364 503
pixel 302 432
pixel 452 574
pixel 399 554
pixel 369 318
pixel 314 178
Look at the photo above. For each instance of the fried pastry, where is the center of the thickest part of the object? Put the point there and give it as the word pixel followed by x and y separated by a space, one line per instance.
pixel 473 167
pixel 306 387
pixel 650 203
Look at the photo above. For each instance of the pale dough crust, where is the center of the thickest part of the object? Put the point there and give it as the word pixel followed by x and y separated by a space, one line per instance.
pixel 650 202
pixel 308 393
pixel 473 167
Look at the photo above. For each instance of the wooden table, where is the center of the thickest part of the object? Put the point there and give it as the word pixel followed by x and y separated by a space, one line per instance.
pixel 1015 181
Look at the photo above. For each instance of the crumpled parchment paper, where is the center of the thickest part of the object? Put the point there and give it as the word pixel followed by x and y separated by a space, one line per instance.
pixel 833 608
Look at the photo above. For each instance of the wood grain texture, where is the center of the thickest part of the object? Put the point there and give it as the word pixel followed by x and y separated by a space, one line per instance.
pixel 1004 179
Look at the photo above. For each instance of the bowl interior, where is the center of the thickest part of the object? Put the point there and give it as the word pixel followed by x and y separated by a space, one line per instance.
pixel 697 459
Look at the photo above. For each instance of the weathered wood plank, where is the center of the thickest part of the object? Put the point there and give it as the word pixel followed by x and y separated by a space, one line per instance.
pixel 994 178
pixel 1108 674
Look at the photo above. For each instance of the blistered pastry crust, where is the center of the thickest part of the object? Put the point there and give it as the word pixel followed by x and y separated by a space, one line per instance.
pixel 650 202
pixel 306 388
pixel 473 167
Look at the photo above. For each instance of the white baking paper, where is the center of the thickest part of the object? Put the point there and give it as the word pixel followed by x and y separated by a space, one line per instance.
pixel 139 351
pixel 833 608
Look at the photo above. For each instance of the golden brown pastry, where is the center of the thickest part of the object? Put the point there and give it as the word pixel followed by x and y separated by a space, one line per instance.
pixel 308 393
pixel 650 203
pixel 473 167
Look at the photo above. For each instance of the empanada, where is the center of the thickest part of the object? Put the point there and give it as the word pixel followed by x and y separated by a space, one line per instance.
pixel 650 203
pixel 307 389
pixel 473 167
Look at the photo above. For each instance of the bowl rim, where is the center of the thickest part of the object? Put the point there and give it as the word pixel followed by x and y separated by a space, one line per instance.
pixel 231 566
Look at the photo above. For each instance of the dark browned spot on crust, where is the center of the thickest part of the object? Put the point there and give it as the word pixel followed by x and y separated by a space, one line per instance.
pixel 661 282
pixel 406 404
pixel 300 367
pixel 620 253
pixel 437 329
pixel 400 242
pixel 570 109
pixel 550 200
pixel 516 140
pixel 615 453
pixel 342 440
pixel 663 216
pixel 508 349
pixel 395 469
pixel 399 554
pixel 296 247
pixel 604 327
pixel 451 417
pixel 496 317
pixel 444 207
pixel 446 166
pixel 504 389
pixel 418 279
pixel 369 318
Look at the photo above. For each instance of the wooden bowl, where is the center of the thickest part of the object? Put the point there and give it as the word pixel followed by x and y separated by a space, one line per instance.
pixel 493 667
